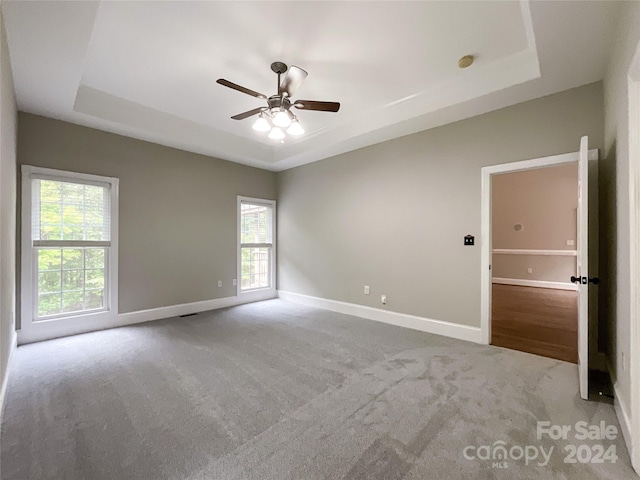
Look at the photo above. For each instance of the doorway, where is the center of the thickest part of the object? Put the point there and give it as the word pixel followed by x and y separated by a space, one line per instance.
pixel 534 305
pixel 586 247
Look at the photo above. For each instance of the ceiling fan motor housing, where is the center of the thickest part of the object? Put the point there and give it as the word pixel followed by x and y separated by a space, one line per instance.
pixel 278 102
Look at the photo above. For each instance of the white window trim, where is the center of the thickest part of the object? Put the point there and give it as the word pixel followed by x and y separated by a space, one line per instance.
pixel 62 325
pixel 272 267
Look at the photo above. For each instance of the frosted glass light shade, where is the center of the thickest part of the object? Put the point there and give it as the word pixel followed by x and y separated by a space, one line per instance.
pixel 261 125
pixel 282 119
pixel 295 128
pixel 276 134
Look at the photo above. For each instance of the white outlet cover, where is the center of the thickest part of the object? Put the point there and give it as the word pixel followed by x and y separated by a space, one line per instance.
pixel 366 289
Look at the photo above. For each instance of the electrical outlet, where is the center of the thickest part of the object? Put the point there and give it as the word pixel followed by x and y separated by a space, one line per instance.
pixel 366 289
pixel 219 283
pixel 383 299
pixel 571 243
pixel 529 270
pixel 235 282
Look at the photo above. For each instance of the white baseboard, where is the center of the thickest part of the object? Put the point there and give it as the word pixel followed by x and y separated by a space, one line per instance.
pixel 5 380
pixel 623 419
pixel 49 330
pixel 195 307
pixel 438 327
pixel 622 413
pixel 535 283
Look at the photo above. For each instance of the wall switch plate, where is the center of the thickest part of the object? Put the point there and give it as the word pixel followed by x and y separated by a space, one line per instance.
pixel 235 282
pixel 383 299
pixel 219 283
pixel 366 289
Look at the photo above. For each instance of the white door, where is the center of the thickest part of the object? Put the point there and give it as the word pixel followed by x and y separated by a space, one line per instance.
pixel 582 278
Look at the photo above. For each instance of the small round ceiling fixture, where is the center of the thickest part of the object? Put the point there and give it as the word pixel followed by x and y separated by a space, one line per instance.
pixel 466 61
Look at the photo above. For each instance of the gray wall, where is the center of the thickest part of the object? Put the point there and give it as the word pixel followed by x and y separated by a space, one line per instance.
pixel 615 212
pixel 393 215
pixel 177 209
pixel 8 119
pixel 545 202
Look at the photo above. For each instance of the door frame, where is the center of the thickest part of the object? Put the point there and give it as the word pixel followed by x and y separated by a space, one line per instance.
pixel 485 223
pixel 633 82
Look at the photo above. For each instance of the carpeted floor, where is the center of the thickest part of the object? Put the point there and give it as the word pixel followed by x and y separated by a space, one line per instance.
pixel 277 391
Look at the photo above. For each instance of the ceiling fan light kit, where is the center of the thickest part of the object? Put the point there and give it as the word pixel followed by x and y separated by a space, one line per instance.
pixel 295 128
pixel 277 115
pixel 276 134
pixel 262 124
pixel 282 118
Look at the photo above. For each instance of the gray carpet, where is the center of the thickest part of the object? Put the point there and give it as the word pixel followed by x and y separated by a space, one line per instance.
pixel 277 391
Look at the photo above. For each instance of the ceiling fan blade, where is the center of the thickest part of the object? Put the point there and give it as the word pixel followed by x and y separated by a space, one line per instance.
pixel 242 116
pixel 320 106
pixel 229 84
pixel 294 78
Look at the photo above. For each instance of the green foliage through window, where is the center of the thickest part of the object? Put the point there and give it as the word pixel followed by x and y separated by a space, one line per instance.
pixel 70 280
pixel 71 234
pixel 256 237
pixel 71 211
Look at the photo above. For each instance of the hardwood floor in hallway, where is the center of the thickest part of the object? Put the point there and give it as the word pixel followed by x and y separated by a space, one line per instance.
pixel 542 321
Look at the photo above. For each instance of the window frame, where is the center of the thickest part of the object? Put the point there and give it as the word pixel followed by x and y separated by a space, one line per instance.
pixel 29 251
pixel 272 257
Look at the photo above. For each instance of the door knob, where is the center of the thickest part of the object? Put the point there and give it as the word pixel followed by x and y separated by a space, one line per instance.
pixel 585 280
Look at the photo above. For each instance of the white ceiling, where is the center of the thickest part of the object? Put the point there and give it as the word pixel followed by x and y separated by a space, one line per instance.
pixel 148 69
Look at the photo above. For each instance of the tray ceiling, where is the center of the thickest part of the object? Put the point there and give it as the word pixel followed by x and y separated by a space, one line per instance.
pixel 148 69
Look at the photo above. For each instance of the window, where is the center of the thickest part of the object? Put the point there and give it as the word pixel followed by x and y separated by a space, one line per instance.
pixel 256 252
pixel 68 243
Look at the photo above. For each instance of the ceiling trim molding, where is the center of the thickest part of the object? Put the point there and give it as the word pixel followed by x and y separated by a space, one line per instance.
pixel 167 129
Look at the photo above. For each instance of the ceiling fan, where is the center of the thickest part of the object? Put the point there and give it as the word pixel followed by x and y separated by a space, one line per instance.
pixel 277 114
